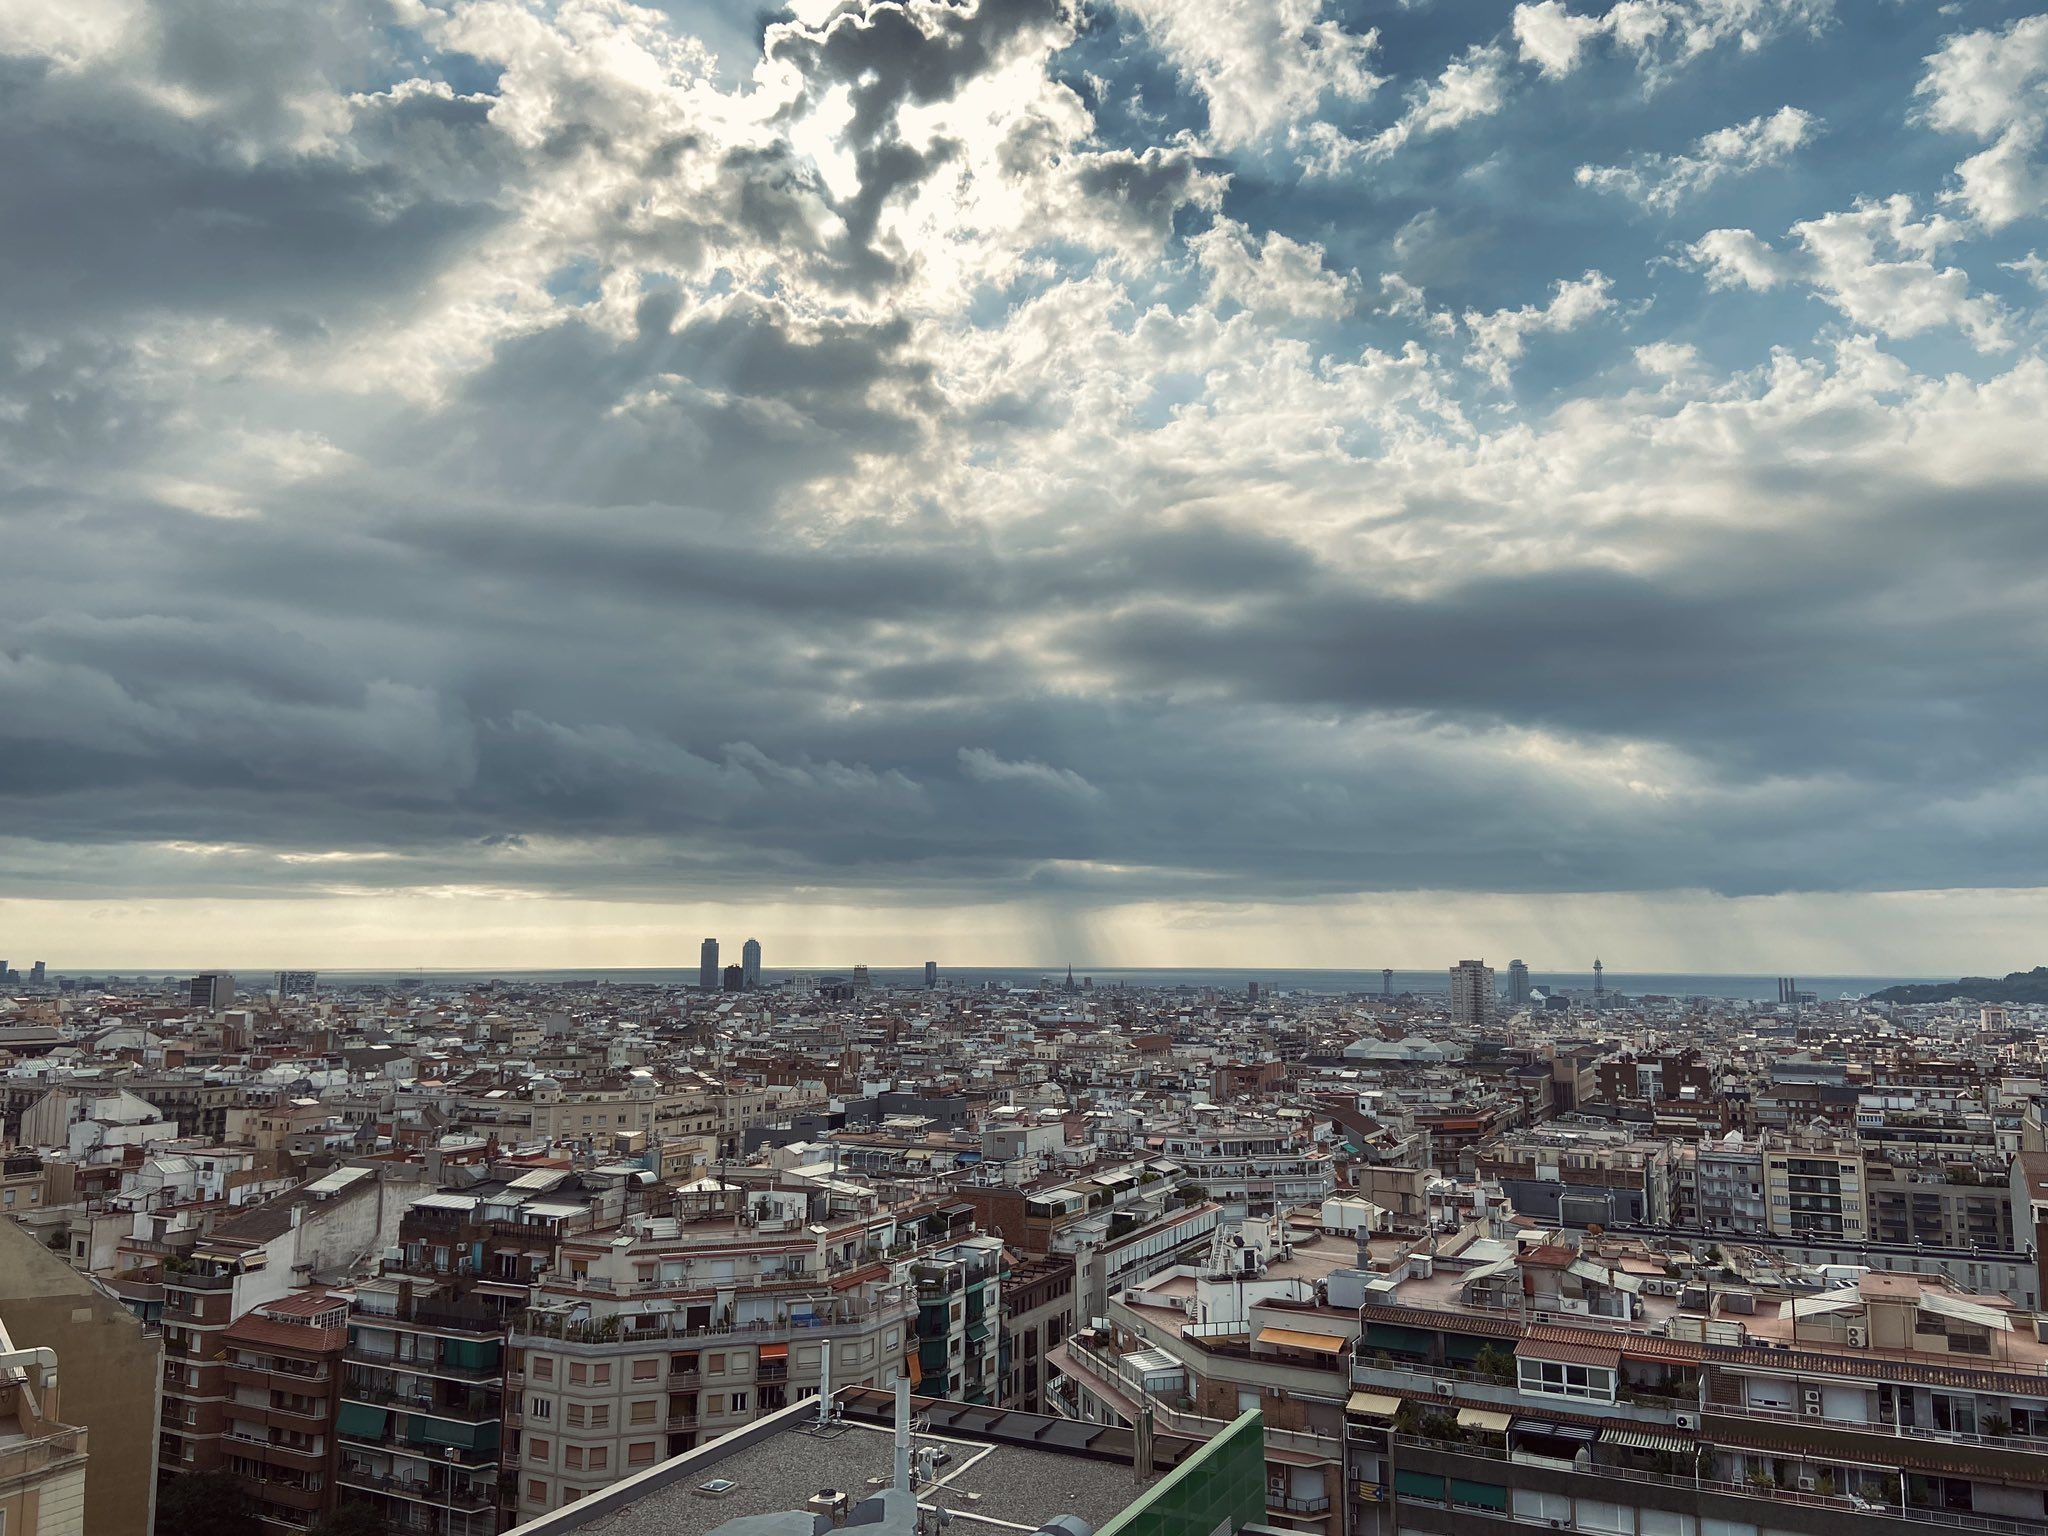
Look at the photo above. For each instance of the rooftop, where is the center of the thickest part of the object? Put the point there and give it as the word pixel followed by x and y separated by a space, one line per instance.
pixel 995 1479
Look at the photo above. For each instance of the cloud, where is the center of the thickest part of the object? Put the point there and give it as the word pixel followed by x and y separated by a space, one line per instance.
pixel 943 458
pixel 984 767
pixel 1262 66
pixel 1498 338
pixel 1659 36
pixel 1271 275
pixel 1993 86
pixel 1875 263
pixel 1664 181
pixel 1472 86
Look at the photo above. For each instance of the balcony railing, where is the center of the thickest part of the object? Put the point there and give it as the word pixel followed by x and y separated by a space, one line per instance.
pixel 2035 1445
pixel 356 1354
pixel 539 1328
pixel 1915 1514
pixel 471 1498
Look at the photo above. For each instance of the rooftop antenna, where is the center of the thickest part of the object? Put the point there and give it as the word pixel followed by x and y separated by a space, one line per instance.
pixel 902 1434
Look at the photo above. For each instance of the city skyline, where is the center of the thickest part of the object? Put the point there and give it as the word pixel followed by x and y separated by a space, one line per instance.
pixel 1290 478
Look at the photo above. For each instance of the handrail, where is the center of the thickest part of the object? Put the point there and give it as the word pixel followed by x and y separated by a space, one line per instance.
pixel 1915 1513
pixel 2036 1444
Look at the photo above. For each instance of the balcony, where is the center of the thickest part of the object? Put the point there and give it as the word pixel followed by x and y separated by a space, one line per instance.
pixel 419 1490
pixel 474 1408
pixel 1743 1503
pixel 357 1354
pixel 275 1451
pixel 196 1280
pixel 1472 1387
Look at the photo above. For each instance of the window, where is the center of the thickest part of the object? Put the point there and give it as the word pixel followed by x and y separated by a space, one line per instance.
pixel 543 1368
pixel 537 1491
pixel 643 1411
pixel 600 1415
pixel 572 1457
pixel 574 1417
pixel 601 1373
pixel 578 1372
pixel 739 1402
pixel 540 1407
pixel 536 1448
pixel 714 1365
pixel 640 1454
pixel 646 1370
pixel 600 1458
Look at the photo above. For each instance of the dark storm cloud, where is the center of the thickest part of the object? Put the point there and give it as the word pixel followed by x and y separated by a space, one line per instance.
pixel 700 575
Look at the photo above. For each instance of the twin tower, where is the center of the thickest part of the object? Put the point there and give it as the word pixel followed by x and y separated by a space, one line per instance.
pixel 744 977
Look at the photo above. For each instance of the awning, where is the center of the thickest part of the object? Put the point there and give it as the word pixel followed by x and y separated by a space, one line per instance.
pixel 1288 1338
pixel 1646 1440
pixel 916 1370
pixel 361 1420
pixel 1373 1405
pixel 1491 1420
pixel 1583 1434
pixel 1941 1304
pixel 774 1351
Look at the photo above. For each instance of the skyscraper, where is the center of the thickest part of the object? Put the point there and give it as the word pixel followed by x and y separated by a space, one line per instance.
pixel 1518 984
pixel 750 965
pixel 707 966
pixel 931 975
pixel 1472 995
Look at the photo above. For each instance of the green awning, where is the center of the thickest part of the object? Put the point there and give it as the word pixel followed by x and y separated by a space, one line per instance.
pixel 1419 1485
pixel 1412 1341
pixel 425 1429
pixel 1478 1495
pixel 1461 1349
pixel 361 1420
pixel 978 1332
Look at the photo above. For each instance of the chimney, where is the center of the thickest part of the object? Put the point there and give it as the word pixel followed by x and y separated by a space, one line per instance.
pixel 825 1385
pixel 903 1434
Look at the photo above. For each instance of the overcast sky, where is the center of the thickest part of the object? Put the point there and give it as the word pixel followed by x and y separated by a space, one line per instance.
pixel 1165 482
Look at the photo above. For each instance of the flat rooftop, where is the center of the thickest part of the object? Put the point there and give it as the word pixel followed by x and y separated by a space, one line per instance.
pixel 988 1485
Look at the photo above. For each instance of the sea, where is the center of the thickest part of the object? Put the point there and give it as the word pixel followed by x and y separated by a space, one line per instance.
pixel 1322 983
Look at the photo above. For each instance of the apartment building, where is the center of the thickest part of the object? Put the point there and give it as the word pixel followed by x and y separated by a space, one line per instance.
pixel 1943 1200
pixel 421 1420
pixel 42 1458
pixel 112 1368
pixel 1898 1405
pixel 668 1330
pixel 1263 1167
pixel 281 1367
pixel 1584 1175
pixel 961 1352
pixel 1814 1189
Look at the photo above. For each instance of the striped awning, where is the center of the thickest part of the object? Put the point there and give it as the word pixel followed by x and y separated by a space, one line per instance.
pixel 1290 1338
pixel 1492 1420
pixel 1646 1440
pixel 1373 1405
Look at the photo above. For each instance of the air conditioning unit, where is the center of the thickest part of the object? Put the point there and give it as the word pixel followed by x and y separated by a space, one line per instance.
pixel 1686 1420
pixel 1859 1336
pixel 1808 1482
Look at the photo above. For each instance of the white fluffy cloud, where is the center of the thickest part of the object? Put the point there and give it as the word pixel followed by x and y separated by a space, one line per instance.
pixel 1664 181
pixel 1269 275
pixel 1498 338
pixel 1876 263
pixel 1262 66
pixel 1993 85
pixel 1660 36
